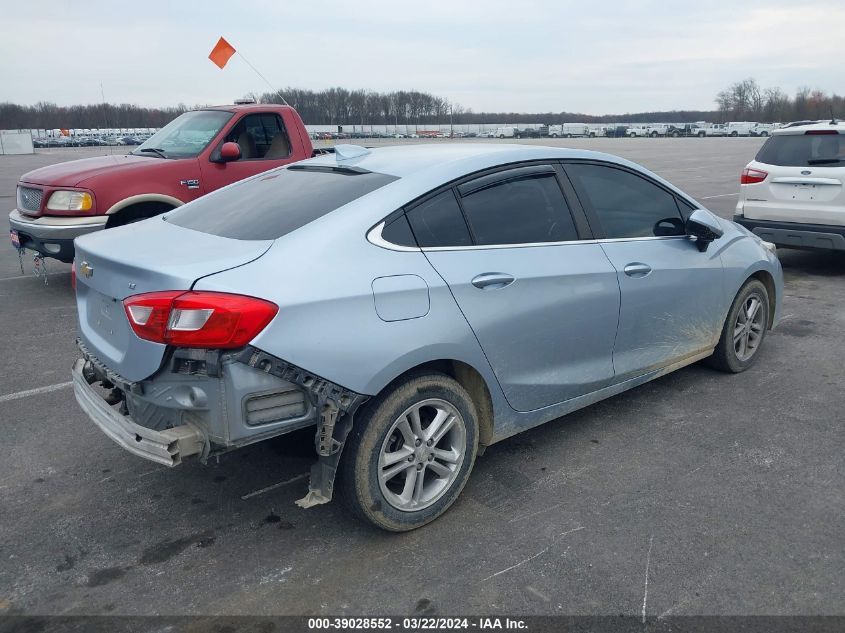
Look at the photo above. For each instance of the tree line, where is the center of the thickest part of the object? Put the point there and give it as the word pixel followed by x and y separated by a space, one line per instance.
pixel 45 115
pixel 743 100
pixel 746 100
pixel 339 106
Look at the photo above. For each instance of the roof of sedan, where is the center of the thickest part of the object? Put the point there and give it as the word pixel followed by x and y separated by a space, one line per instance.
pixel 405 160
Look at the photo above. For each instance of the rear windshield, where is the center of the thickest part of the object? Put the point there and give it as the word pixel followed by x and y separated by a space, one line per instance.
pixel 803 150
pixel 273 204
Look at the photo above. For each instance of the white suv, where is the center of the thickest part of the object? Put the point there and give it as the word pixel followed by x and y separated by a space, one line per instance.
pixel 793 192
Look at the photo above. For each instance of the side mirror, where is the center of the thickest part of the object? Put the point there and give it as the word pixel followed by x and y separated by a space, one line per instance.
pixel 704 227
pixel 228 153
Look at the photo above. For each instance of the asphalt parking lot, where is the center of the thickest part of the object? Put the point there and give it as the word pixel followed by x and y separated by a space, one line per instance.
pixel 699 493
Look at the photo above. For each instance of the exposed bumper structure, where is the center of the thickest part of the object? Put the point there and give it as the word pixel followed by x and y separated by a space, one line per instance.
pixel 796 235
pixel 166 447
pixel 53 236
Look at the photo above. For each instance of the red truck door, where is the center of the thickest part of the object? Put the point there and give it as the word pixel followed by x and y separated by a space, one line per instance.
pixel 265 142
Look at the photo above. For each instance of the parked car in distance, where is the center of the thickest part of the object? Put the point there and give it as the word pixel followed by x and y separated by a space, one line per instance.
pixel 533 132
pixel 739 128
pixel 677 130
pixel 434 322
pixel 762 129
pixel 196 153
pixel 506 132
pixel 715 129
pixel 569 130
pixel 617 131
pixel 637 131
pixel 793 192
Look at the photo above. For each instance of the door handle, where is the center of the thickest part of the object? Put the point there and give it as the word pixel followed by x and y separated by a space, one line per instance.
pixel 492 281
pixel 637 269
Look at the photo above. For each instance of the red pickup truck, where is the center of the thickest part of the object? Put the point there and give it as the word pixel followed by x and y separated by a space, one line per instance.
pixel 196 153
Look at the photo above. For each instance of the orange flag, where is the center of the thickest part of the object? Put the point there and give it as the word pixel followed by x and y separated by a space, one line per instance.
pixel 221 53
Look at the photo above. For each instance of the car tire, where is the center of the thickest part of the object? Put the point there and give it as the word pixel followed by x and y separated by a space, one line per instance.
pixel 733 353
pixel 702 134
pixel 554 135
pixel 764 133
pixel 385 427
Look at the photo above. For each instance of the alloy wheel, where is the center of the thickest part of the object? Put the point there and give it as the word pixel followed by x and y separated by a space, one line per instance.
pixel 422 454
pixel 748 328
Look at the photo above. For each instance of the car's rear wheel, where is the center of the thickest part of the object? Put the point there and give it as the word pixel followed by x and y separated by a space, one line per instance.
pixel 410 452
pixel 744 329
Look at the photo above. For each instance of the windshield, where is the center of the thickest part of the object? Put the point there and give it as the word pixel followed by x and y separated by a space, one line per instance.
pixel 803 150
pixel 186 135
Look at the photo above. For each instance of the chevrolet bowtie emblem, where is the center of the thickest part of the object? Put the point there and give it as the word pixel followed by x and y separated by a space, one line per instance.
pixel 86 269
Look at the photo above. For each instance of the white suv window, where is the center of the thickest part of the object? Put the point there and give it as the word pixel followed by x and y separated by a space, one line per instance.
pixel 804 150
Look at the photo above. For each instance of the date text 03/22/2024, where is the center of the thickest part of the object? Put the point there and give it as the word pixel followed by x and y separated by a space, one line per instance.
pixel 417 624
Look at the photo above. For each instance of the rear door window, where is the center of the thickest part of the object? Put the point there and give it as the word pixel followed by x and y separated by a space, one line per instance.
pixel 524 209
pixel 275 203
pixel 803 150
pixel 626 205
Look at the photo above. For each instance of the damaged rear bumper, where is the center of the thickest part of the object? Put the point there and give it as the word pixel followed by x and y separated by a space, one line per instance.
pixel 166 447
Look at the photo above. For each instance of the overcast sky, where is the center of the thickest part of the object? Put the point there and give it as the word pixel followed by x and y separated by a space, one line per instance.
pixel 526 56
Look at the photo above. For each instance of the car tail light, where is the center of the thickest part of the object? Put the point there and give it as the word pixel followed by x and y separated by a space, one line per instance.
pixel 73 275
pixel 214 320
pixel 752 176
pixel 816 132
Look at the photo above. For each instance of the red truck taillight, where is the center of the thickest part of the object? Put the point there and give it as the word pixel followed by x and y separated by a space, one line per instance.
pixel 214 320
pixel 752 176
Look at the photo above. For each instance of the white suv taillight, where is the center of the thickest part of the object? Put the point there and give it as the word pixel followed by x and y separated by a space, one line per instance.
pixel 752 176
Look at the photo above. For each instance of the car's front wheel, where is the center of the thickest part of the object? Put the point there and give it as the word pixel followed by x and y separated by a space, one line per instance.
pixel 410 452
pixel 744 329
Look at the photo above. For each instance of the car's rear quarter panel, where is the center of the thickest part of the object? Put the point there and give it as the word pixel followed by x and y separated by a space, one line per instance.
pixel 328 322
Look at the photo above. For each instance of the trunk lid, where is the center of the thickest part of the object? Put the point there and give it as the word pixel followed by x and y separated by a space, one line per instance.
pixel 143 257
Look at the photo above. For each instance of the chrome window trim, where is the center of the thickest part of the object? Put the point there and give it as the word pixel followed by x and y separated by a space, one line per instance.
pixel 643 239
pixel 484 247
pixel 374 237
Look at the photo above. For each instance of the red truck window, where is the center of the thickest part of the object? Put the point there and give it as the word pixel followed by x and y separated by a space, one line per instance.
pixel 261 137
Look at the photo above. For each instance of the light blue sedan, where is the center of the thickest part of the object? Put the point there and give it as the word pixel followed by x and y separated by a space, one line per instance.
pixel 416 304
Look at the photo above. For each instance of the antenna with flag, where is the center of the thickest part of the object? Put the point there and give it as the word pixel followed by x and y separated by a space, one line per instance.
pixel 222 53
